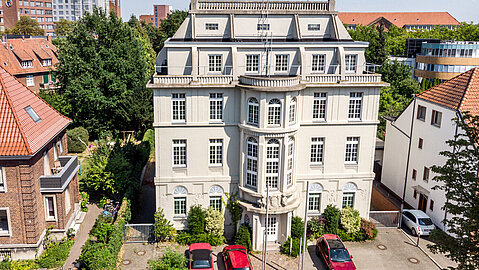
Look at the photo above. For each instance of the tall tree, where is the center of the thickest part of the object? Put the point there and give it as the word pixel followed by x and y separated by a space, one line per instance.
pixel 458 178
pixel 377 48
pixel 63 27
pixel 103 73
pixel 26 26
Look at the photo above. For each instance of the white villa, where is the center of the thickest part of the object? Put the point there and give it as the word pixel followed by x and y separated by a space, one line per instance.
pixel 255 93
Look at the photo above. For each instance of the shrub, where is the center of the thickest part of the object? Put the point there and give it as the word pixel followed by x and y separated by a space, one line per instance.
pixel 316 227
pixel 215 222
pixel 243 237
pixel 84 197
pixel 164 231
pixel 235 209
pixel 149 140
pixel 294 249
pixel 196 220
pixel 297 227
pixel 332 216
pixel 369 229
pixel 169 261
pixel 183 238
pixel 74 138
pixel 102 231
pixel 56 254
pixel 350 220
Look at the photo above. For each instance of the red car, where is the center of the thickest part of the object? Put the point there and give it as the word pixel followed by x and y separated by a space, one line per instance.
pixel 333 252
pixel 236 258
pixel 201 256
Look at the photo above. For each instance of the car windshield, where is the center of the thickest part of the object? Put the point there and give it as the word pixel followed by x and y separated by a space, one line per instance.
pixel 425 222
pixel 340 255
pixel 201 264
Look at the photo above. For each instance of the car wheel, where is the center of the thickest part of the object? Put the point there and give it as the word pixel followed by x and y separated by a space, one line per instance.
pixel 413 231
pixel 317 251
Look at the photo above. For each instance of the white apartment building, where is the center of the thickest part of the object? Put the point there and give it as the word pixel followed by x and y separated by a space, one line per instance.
pixel 73 10
pixel 415 139
pixel 249 94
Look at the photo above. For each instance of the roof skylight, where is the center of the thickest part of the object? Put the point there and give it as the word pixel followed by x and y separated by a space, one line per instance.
pixel 33 114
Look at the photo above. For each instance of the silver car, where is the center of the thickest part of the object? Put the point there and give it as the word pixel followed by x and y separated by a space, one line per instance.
pixel 414 219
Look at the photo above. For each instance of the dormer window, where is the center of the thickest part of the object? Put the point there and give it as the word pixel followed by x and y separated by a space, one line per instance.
pixel 33 114
pixel 27 64
pixel 211 26
pixel 263 26
pixel 314 27
pixel 46 62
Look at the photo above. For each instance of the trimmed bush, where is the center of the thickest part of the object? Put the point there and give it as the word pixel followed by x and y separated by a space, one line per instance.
pixel 350 220
pixel 73 139
pixel 297 227
pixel 185 239
pixel 332 216
pixel 316 227
pixel 196 220
pixel 295 248
pixel 164 231
pixel 243 237
pixel 369 229
pixel 215 222
pixel 169 261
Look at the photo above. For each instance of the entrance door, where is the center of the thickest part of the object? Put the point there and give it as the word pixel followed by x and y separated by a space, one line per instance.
pixel 423 202
pixel 272 233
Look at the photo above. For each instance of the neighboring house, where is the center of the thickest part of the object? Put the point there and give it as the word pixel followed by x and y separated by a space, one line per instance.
pixel 160 12
pixel 30 60
pixel 38 181
pixel 148 19
pixel 410 21
pixel 245 100
pixel 39 10
pixel 420 132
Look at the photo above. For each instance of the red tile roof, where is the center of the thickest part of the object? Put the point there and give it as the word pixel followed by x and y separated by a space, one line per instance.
pixel 459 93
pixel 20 135
pixel 37 49
pixel 400 19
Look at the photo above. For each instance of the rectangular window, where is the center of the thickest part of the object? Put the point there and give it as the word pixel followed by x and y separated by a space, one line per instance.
pixel 355 104
pixel 179 107
pixel 4 222
pixel 30 81
pixel 421 112
pixel 292 111
pixel 216 203
pixel 436 118
pixel 351 62
pixel 420 144
pixel 252 163
pixel 319 62
pixel 319 106
pixel 281 62
pixel 252 63
pixel 314 27
pixel 2 180
pixel 314 204
pixel 211 26
pixel 317 150
pixel 272 165
pixel 27 64
pixel 253 111
pixel 215 62
pixel 216 152
pixel 216 106
pixel 45 79
pixel 348 199
pixel 425 175
pixel 352 147
pixel 274 112
pixel 50 208
pixel 68 205
pixel 180 206
pixel 262 26
pixel 179 153
pixel 414 174
pixel 47 62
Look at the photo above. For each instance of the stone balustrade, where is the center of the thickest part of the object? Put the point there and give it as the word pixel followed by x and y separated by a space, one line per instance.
pixel 259 5
pixel 270 82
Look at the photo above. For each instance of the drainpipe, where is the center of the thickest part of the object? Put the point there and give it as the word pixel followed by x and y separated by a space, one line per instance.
pixel 407 162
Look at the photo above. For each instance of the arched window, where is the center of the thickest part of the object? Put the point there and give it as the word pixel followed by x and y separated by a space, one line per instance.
pixel 253 111
pixel 180 191
pixel 179 201
pixel 314 202
pixel 292 111
pixel 252 163
pixel 290 160
pixel 216 190
pixel 274 112
pixel 349 194
pixel 272 163
pixel 216 202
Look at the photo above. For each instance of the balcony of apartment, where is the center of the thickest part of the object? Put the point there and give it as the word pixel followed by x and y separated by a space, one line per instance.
pixel 290 77
pixel 65 170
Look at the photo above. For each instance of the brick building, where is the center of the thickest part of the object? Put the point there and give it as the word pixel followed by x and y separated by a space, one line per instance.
pixel 38 181
pixel 148 18
pixel 116 7
pixel 30 60
pixel 39 10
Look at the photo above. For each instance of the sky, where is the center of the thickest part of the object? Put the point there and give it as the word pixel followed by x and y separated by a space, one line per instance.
pixel 462 10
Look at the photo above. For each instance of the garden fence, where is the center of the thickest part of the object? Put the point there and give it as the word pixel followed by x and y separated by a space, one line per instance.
pixel 139 233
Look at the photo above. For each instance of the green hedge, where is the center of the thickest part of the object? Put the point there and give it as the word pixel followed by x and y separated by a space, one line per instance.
pixel 186 239
pixel 74 144
pixel 243 237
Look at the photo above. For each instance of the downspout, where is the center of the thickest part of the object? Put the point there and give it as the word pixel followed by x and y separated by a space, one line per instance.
pixel 407 162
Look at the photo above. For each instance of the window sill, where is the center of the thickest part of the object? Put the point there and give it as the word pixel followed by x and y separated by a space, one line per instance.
pixel 176 122
pixel 314 213
pixel 319 120
pixel 421 119
pixel 351 165
pixel 213 166
pixel 252 188
pixel 434 125
pixel 5 234
pixel 316 165
pixel 51 220
pixel 179 168
pixel 179 217
pixel 354 120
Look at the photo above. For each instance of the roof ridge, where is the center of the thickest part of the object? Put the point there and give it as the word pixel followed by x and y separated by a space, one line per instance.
pixel 15 116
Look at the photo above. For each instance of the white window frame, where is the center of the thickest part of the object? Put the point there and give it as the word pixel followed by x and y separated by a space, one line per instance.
pixel 263 27
pixel 251 163
pixel 178 107
pixel 355 106
pixel 351 63
pixel 352 150
pixel 281 62
pixel 216 107
pixel 9 222
pixel 215 63
pixel 181 202
pixel 314 202
pixel 47 209
pixel 292 111
pixel 30 81
pixel 216 202
pixel 216 153
pixel 253 111
pixel 317 151
pixel 55 153
pixel 27 64
pixel 252 63
pixel 68 204
pixel 318 63
pixel 348 199
pixel 421 112
pixel 314 27
pixel 60 146
pixel 3 180
pixel 319 106
pixel 211 26
pixel 290 168
pixel 274 112
pixel 179 153
pixel 273 153
pixel 436 118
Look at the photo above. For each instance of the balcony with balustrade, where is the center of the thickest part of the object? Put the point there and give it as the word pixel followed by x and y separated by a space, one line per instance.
pixel 63 173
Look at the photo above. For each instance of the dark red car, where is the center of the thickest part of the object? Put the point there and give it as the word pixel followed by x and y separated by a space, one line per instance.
pixel 236 258
pixel 201 256
pixel 334 254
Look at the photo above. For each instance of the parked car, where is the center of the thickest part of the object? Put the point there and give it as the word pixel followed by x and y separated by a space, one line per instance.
pixel 334 254
pixel 201 256
pixel 236 258
pixel 414 219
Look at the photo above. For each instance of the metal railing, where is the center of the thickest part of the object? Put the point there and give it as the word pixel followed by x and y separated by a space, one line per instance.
pixel 139 233
pixel 260 5
pixel 69 166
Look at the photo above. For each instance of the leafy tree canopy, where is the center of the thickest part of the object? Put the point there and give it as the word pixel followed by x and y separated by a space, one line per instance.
pixel 26 26
pixel 63 27
pixel 167 29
